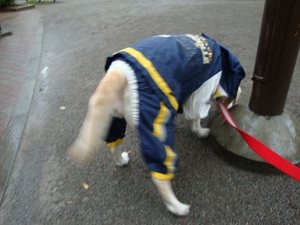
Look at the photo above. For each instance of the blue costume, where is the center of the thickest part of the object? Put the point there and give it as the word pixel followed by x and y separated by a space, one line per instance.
pixel 168 69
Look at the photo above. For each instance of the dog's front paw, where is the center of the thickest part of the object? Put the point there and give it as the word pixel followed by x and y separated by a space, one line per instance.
pixel 178 209
pixel 200 131
pixel 203 132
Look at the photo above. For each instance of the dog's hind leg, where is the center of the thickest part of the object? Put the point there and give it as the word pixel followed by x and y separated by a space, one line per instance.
pixel 156 131
pixel 172 203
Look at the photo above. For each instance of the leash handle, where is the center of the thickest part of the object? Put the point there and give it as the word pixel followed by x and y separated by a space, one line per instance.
pixel 261 149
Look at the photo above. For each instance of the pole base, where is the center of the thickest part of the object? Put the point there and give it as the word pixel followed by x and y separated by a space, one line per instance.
pixel 280 133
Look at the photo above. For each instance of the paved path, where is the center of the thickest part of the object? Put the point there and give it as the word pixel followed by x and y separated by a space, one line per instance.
pixel 45 187
pixel 19 61
pixel 14 58
pixel 16 54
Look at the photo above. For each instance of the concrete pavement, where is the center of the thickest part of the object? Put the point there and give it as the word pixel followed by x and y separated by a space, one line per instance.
pixel 19 62
pixel 45 187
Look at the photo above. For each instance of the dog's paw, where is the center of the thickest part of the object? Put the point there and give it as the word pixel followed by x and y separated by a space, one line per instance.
pixel 178 209
pixel 122 159
pixel 203 132
pixel 200 131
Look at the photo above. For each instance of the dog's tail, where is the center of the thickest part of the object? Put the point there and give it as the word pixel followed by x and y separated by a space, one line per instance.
pixel 99 115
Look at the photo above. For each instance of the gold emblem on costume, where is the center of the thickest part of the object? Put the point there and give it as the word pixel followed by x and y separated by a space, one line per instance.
pixel 201 43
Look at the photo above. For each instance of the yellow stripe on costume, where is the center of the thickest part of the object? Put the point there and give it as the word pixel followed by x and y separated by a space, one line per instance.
pixel 115 143
pixel 162 176
pixel 169 163
pixel 157 78
pixel 170 157
pixel 158 129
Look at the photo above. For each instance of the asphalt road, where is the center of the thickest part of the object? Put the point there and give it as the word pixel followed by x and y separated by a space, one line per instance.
pixel 46 187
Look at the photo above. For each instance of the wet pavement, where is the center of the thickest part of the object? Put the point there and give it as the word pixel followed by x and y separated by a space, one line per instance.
pixel 45 187
pixel 14 59
pixel 19 62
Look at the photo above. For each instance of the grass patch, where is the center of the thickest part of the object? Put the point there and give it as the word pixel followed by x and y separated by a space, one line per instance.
pixel 40 3
pixel 5 3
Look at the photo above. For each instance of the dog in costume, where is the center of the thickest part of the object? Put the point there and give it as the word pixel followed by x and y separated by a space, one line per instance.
pixel 145 86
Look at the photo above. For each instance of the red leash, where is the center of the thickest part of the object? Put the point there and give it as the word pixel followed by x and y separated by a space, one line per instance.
pixel 261 149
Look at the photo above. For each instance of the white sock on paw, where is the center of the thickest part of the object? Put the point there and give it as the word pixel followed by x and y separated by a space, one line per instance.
pixel 124 158
pixel 120 158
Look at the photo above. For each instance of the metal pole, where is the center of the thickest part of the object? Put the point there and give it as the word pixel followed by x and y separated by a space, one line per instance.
pixel 276 56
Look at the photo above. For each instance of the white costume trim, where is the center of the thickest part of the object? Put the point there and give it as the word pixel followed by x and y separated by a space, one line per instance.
pixel 131 98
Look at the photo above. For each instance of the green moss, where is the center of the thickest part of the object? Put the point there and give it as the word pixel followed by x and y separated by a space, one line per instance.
pixel 5 3
pixel 40 3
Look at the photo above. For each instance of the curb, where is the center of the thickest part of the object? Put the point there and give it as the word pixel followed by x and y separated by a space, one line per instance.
pixel 5 34
pixel 17 8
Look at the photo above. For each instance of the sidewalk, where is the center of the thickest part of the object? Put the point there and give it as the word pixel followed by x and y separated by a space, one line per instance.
pixel 14 58
pixel 19 59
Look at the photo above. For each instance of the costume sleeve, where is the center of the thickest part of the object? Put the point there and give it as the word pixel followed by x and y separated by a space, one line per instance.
pixel 116 132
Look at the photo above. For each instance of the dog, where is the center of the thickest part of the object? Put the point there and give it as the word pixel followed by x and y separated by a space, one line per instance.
pixel 146 85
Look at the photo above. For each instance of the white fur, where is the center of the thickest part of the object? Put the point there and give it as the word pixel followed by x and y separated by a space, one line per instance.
pixel 198 104
pixel 171 202
pixel 199 130
pixel 94 127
